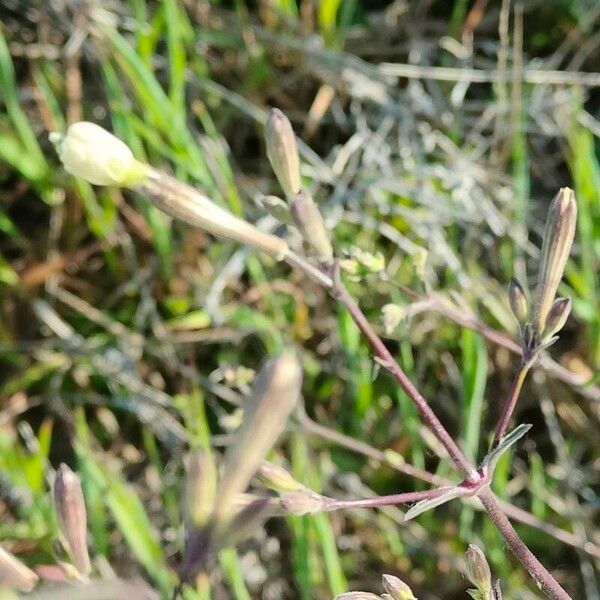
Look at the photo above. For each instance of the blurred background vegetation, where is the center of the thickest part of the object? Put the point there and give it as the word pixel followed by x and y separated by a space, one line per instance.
pixel 126 339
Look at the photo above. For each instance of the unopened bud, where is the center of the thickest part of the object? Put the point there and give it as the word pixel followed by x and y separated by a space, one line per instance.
pixel 282 151
pixel 71 513
pixel 276 478
pixel 302 503
pixel 518 300
pixel 478 569
pixel 14 574
pixel 396 588
pixel 201 486
pixel 558 315
pixel 309 221
pixel 91 153
pixel 556 246
pixel 277 208
pixel 274 395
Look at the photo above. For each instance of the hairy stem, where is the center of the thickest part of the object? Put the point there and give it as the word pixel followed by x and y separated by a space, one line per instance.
pixel 511 511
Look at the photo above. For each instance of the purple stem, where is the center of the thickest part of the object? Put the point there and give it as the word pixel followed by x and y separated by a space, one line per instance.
pixel 340 293
pixel 384 500
pixel 511 401
pixel 541 575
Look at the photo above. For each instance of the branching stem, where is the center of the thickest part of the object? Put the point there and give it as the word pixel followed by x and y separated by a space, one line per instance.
pixel 340 293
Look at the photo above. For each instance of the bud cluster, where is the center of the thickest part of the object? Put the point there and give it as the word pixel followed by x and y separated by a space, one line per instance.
pixel 282 151
pixel 542 318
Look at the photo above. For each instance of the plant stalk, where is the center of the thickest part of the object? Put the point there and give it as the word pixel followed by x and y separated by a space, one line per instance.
pixel 541 575
pixel 385 358
pixel 378 501
pixel 511 401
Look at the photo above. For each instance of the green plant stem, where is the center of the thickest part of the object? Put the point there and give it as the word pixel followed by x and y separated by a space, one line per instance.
pixel 511 401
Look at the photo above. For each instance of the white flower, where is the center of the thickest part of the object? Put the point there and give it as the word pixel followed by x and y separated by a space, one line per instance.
pixel 91 153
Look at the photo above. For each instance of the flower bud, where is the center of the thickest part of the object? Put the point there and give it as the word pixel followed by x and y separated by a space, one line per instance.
pixel 309 221
pixel 518 300
pixel 396 588
pixel 276 478
pixel 277 208
pixel 283 152
pixel 91 153
pixel 556 246
pixel 71 513
pixel 201 486
pixel 14 574
pixel 558 315
pixel 478 570
pixel 274 395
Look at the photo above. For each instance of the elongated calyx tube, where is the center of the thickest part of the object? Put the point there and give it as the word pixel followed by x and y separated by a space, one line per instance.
pixel 183 202
pixel 556 246
pixel 91 153
pixel 71 513
pixel 201 486
pixel 14 574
